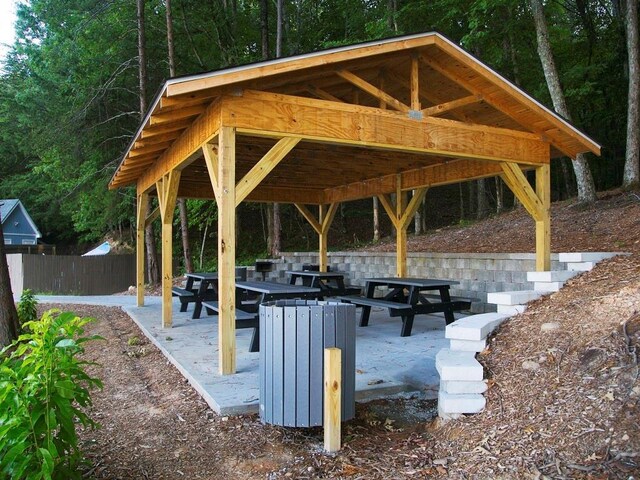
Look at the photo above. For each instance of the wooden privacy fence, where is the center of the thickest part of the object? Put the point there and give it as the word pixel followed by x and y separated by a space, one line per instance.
pixel 72 275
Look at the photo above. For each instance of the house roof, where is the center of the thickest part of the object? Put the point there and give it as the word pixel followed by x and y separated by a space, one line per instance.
pixel 9 205
pixel 457 87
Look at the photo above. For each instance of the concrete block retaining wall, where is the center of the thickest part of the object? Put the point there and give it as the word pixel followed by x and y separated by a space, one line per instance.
pixel 478 273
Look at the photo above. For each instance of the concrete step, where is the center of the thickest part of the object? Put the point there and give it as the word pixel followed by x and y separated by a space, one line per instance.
pixel 580 266
pixel 468 345
pixel 578 257
pixel 459 366
pixel 551 276
pixel 463 403
pixel 516 297
pixel 547 286
pixel 456 388
pixel 511 309
pixel 474 327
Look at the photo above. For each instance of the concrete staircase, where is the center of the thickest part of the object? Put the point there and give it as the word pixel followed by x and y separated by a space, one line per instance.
pixel 462 382
pixel 514 302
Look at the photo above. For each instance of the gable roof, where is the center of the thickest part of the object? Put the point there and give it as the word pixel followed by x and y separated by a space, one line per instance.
pixel 451 74
pixel 9 205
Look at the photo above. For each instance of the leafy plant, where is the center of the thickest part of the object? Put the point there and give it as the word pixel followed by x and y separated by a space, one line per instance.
pixel 27 311
pixel 43 391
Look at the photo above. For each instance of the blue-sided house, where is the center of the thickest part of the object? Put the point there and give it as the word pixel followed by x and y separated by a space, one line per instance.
pixel 17 226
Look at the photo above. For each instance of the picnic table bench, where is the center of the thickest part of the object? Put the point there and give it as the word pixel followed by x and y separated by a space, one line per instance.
pixel 406 300
pixel 244 319
pixel 331 284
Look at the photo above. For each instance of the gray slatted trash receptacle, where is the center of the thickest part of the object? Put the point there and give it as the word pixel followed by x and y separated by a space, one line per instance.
pixel 293 336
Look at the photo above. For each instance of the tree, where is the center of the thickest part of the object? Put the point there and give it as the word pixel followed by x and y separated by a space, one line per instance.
pixel 9 325
pixel 153 269
pixel 586 186
pixel 182 204
pixel 632 161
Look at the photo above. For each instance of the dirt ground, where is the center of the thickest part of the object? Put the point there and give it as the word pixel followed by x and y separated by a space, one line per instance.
pixel 562 403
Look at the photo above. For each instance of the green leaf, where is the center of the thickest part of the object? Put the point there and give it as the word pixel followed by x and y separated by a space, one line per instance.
pixel 66 342
pixel 65 388
pixel 47 463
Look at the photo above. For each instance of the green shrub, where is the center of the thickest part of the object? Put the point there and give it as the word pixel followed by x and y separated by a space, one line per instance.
pixel 27 311
pixel 43 389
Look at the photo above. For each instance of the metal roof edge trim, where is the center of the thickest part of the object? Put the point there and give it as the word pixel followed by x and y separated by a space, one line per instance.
pixel 277 61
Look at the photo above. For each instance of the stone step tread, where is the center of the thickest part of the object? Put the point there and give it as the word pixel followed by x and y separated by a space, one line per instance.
pixel 467 345
pixel 457 387
pixel 515 297
pixel 474 327
pixel 580 266
pixel 461 403
pixel 586 256
pixel 551 276
pixel 547 287
pixel 455 365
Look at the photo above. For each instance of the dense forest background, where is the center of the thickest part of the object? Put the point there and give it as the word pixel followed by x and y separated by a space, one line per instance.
pixel 71 99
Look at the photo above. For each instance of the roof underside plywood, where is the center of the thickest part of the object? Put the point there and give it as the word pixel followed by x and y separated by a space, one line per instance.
pixel 452 86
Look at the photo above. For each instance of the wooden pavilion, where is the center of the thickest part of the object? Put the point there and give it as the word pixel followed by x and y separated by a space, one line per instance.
pixel 376 119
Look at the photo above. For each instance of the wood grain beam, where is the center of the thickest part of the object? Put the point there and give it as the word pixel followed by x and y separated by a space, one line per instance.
pixel 415 83
pixel 176 115
pixel 453 171
pixel 306 213
pixel 266 164
pixel 452 105
pixel 184 150
pixel 274 115
pixel 520 186
pixel 210 153
pixel 373 90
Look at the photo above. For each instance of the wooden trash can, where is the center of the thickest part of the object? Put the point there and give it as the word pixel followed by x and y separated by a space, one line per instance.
pixel 293 336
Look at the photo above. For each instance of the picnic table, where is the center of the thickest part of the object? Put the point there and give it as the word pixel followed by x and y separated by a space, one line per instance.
pixel 247 311
pixel 191 294
pixel 406 299
pixel 330 283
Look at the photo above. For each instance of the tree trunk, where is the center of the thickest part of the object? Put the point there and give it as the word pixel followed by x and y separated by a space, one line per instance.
pixel 264 28
pixel 277 226
pixel 392 21
pixel 376 220
pixel 417 221
pixel 270 229
pixel 632 162
pixel 499 195
pixel 483 207
pixel 142 59
pixel 170 46
pixel 182 204
pixel 153 269
pixel 279 24
pixel 9 325
pixel 584 180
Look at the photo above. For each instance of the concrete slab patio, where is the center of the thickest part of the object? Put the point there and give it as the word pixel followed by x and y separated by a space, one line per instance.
pixel 386 364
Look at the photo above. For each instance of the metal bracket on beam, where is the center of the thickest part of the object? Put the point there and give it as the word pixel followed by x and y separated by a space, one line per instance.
pixel 415 114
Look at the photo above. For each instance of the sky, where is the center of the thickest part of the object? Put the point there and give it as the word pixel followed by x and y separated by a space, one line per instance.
pixel 7 18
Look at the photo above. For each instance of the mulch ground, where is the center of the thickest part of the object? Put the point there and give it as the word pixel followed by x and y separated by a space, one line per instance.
pixel 562 403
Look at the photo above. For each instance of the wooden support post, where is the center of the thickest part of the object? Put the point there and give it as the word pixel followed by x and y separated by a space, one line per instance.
pixel 537 203
pixel 543 224
pixel 401 231
pixel 326 216
pixel 332 399
pixel 143 201
pixel 415 83
pixel 167 188
pixel 401 218
pixel 227 250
